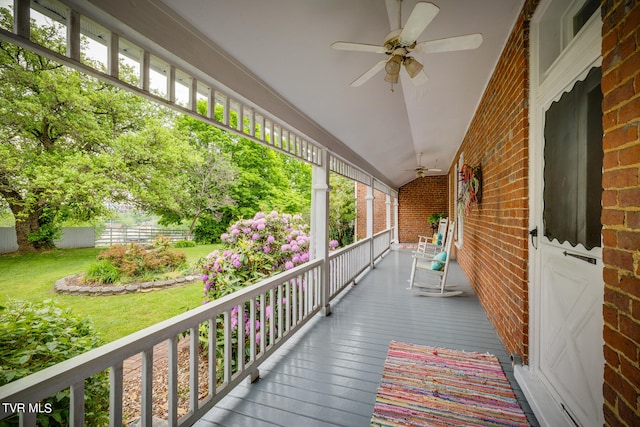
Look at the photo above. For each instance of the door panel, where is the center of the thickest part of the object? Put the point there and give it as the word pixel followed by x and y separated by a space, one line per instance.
pixel 571 347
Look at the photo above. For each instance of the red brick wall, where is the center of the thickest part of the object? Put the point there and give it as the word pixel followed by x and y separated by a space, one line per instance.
pixel 379 211
pixel 417 200
pixel 495 243
pixel 621 210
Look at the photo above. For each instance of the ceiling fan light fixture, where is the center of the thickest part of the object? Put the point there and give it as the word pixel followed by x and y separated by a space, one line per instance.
pixel 393 65
pixel 412 66
pixel 391 78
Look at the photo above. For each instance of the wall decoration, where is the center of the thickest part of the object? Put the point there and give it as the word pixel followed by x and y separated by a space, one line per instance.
pixel 470 188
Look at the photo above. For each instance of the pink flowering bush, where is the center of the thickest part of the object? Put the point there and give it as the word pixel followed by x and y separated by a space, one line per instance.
pixel 254 249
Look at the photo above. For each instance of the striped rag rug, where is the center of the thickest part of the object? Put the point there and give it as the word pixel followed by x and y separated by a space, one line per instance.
pixel 429 386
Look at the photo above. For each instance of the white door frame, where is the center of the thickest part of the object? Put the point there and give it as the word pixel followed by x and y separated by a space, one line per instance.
pixel 579 56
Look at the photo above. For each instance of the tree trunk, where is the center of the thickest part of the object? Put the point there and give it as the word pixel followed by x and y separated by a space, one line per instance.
pixel 24 227
pixel 25 223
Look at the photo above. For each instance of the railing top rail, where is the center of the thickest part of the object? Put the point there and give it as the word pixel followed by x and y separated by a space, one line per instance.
pixel 350 247
pixel 380 233
pixel 54 378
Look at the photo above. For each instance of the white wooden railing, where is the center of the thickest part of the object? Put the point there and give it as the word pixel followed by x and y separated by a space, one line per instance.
pixel 292 298
pixel 382 243
pixel 280 305
pixel 346 264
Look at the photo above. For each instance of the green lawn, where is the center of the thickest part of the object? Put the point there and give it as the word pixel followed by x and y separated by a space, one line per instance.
pixel 32 276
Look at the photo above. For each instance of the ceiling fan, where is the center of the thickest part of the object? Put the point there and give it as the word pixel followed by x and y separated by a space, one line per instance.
pixel 420 170
pixel 400 43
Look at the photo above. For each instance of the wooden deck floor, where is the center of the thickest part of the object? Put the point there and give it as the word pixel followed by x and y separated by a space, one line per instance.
pixel 329 376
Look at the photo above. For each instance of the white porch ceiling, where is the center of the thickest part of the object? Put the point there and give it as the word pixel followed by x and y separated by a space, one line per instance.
pixel 286 44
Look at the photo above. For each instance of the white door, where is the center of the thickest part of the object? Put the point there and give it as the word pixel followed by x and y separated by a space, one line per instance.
pixel 571 284
pixel 567 287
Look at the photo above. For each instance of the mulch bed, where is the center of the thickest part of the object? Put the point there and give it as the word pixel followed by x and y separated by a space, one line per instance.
pixel 132 387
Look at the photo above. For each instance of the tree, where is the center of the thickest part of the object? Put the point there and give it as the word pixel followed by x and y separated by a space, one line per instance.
pixel 342 209
pixel 206 190
pixel 70 143
pixel 267 180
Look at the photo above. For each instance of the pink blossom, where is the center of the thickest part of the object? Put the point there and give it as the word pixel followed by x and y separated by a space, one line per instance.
pixel 235 261
pixel 288 265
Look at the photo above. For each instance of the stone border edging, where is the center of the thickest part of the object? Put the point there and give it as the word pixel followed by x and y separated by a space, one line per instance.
pixel 61 286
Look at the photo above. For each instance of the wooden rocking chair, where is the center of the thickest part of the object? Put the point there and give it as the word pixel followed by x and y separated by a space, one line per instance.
pixel 425 243
pixel 428 264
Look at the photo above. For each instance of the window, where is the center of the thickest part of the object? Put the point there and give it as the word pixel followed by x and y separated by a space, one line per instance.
pixel 559 25
pixel 573 164
pixel 582 16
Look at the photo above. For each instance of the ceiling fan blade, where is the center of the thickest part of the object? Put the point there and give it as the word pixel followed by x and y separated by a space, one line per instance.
pixel 420 78
pixel 370 73
pixel 422 14
pixel 358 47
pixel 450 44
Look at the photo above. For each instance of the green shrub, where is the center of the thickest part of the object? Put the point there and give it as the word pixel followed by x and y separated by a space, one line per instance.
pixel 208 230
pixel 135 261
pixel 34 336
pixel 184 244
pixel 161 243
pixel 103 272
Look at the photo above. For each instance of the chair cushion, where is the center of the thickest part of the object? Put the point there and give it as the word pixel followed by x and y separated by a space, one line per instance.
pixel 438 261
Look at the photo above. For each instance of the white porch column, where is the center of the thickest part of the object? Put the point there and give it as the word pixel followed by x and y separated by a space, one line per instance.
pixel 387 213
pixel 396 231
pixel 319 248
pixel 369 199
